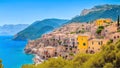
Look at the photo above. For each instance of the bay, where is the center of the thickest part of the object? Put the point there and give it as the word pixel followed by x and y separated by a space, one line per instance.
pixel 12 53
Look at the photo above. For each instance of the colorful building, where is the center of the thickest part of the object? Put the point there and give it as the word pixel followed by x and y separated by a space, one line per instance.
pixel 95 45
pixel 88 45
pixel 82 43
pixel 101 22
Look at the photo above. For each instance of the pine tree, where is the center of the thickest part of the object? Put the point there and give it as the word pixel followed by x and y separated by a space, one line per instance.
pixel 118 24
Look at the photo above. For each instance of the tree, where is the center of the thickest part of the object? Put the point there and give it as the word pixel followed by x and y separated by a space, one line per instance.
pixel 108 65
pixel 1 66
pixel 118 24
pixel 99 29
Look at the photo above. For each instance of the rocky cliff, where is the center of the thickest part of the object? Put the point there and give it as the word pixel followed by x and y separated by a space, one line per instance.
pixel 100 11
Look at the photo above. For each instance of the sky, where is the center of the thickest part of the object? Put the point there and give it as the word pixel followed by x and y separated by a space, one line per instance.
pixel 28 11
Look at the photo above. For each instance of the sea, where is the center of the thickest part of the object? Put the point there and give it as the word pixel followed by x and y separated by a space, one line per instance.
pixel 12 53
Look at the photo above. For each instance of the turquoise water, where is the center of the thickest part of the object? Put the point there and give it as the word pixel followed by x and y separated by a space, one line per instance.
pixel 12 53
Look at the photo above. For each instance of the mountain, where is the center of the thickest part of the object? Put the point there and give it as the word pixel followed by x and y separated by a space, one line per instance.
pixel 87 15
pixel 38 28
pixel 100 11
pixel 12 29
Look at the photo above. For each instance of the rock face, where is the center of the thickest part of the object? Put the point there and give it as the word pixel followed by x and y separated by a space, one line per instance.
pixel 85 12
pixel 38 28
pixel 98 8
pixel 12 29
pixel 100 11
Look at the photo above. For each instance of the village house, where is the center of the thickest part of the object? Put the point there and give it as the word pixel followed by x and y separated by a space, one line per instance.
pixel 102 22
pixel 82 43
pixel 94 45
pixel 90 45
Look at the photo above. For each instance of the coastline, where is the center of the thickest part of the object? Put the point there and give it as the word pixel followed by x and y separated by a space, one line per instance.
pixel 13 55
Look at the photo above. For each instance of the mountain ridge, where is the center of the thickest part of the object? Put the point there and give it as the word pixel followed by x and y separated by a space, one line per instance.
pixel 38 28
pixel 99 11
pixel 11 29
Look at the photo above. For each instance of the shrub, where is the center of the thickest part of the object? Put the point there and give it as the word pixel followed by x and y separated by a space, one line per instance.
pixel 1 66
pixel 108 65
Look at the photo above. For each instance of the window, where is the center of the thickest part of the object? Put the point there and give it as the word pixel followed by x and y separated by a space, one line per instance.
pixel 66 48
pixel 117 36
pixel 99 43
pixel 114 37
pixel 84 44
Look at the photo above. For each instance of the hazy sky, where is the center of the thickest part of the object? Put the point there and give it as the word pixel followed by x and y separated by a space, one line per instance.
pixel 28 11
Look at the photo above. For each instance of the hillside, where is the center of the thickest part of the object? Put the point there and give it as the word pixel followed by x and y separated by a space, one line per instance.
pixel 100 11
pixel 38 28
pixel 12 29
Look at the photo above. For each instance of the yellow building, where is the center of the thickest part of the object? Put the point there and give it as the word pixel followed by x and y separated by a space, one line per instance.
pixel 101 22
pixel 82 43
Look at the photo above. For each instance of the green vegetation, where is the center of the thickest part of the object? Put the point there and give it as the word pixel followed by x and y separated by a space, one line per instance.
pixel 80 31
pixel 99 30
pixel 108 65
pixel 108 57
pixel 1 66
pixel 110 41
pixel 71 54
pixel 72 32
